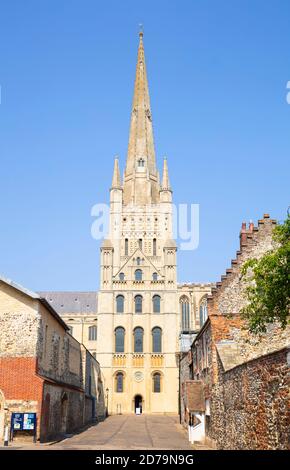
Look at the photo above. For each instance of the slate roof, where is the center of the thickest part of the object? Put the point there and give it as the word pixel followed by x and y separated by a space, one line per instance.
pixel 74 302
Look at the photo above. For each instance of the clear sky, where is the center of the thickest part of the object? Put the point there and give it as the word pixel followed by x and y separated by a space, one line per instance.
pixel 217 73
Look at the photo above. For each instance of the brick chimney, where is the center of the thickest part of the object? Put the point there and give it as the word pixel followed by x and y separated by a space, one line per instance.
pixel 243 235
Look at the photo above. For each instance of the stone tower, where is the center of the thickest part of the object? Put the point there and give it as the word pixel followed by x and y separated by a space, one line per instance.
pixel 138 321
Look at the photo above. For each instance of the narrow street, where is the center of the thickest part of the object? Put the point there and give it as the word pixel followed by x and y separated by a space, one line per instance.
pixel 124 432
pixel 130 432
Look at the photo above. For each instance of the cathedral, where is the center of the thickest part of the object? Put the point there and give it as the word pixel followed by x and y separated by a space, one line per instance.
pixel 141 319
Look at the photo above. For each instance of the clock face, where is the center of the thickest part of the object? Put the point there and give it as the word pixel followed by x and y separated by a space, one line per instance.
pixel 138 376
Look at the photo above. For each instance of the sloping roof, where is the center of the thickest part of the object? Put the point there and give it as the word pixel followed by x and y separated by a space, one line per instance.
pixel 194 395
pixel 35 296
pixel 74 302
pixel 229 355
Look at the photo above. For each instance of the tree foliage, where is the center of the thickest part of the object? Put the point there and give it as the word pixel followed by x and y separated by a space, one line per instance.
pixel 268 283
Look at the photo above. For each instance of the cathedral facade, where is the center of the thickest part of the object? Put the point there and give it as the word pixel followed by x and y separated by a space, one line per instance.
pixel 141 320
pixel 144 318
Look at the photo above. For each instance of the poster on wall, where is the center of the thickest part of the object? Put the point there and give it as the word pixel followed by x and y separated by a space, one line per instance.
pixel 29 421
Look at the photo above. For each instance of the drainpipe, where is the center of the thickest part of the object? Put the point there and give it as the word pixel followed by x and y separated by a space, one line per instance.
pixel 6 436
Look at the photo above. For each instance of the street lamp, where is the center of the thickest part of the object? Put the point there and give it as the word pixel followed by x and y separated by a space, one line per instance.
pixel 107 399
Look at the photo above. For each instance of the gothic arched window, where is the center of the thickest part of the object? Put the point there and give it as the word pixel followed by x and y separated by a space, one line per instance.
pixel 138 340
pixel 138 275
pixel 119 382
pixel 202 312
pixel 157 340
pixel 157 382
pixel 120 304
pixel 119 339
pixel 185 314
pixel 138 303
pixel 156 303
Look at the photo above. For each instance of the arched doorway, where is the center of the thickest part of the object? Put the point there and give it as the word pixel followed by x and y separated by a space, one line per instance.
pixel 2 416
pixel 138 404
pixel 64 406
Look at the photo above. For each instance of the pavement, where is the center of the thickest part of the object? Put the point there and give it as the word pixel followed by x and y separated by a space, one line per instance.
pixel 125 432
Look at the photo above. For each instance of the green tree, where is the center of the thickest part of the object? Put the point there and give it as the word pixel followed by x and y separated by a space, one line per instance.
pixel 268 283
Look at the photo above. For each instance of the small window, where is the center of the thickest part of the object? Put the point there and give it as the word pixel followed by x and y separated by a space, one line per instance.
pixel 126 246
pixel 122 277
pixel 138 261
pixel 155 277
pixel 157 382
pixel 120 304
pixel 156 340
pixel 140 243
pixel 138 303
pixel 156 304
pixel 119 382
pixel 119 339
pixel 138 275
pixel 141 162
pixel 92 333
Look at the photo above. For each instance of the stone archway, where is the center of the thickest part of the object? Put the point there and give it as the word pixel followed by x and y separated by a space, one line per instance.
pixel 64 410
pixel 138 404
pixel 2 415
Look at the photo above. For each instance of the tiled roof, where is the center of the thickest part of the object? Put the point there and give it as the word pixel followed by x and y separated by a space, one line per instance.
pixel 72 301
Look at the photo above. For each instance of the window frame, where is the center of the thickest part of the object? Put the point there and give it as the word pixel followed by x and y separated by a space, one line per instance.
pixel 122 349
pixel 92 336
pixel 118 298
pixel 157 350
pixel 138 301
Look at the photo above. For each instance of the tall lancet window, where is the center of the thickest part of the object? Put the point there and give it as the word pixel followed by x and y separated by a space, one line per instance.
pixel 156 340
pixel 120 304
pixel 138 340
pixel 140 243
pixel 185 314
pixel 202 312
pixel 126 247
pixel 138 303
pixel 119 339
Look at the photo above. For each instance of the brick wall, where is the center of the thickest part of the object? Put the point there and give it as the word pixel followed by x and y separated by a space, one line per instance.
pixel 247 378
pixel 254 405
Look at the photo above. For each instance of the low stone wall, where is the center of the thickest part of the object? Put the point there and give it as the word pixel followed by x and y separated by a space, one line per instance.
pixel 62 411
pixel 251 405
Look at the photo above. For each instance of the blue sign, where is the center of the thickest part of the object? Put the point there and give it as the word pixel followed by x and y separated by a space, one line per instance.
pixel 17 421
pixel 23 421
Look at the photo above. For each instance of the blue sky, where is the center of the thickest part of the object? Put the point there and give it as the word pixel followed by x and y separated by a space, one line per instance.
pixel 217 74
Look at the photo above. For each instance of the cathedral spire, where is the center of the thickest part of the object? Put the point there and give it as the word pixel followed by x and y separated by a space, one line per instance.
pixel 165 186
pixel 141 143
pixel 116 182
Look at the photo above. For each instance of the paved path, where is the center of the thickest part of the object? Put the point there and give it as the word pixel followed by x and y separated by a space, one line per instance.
pixel 130 432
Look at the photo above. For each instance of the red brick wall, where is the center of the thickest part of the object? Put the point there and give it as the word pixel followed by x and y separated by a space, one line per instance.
pixel 19 383
pixel 18 379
